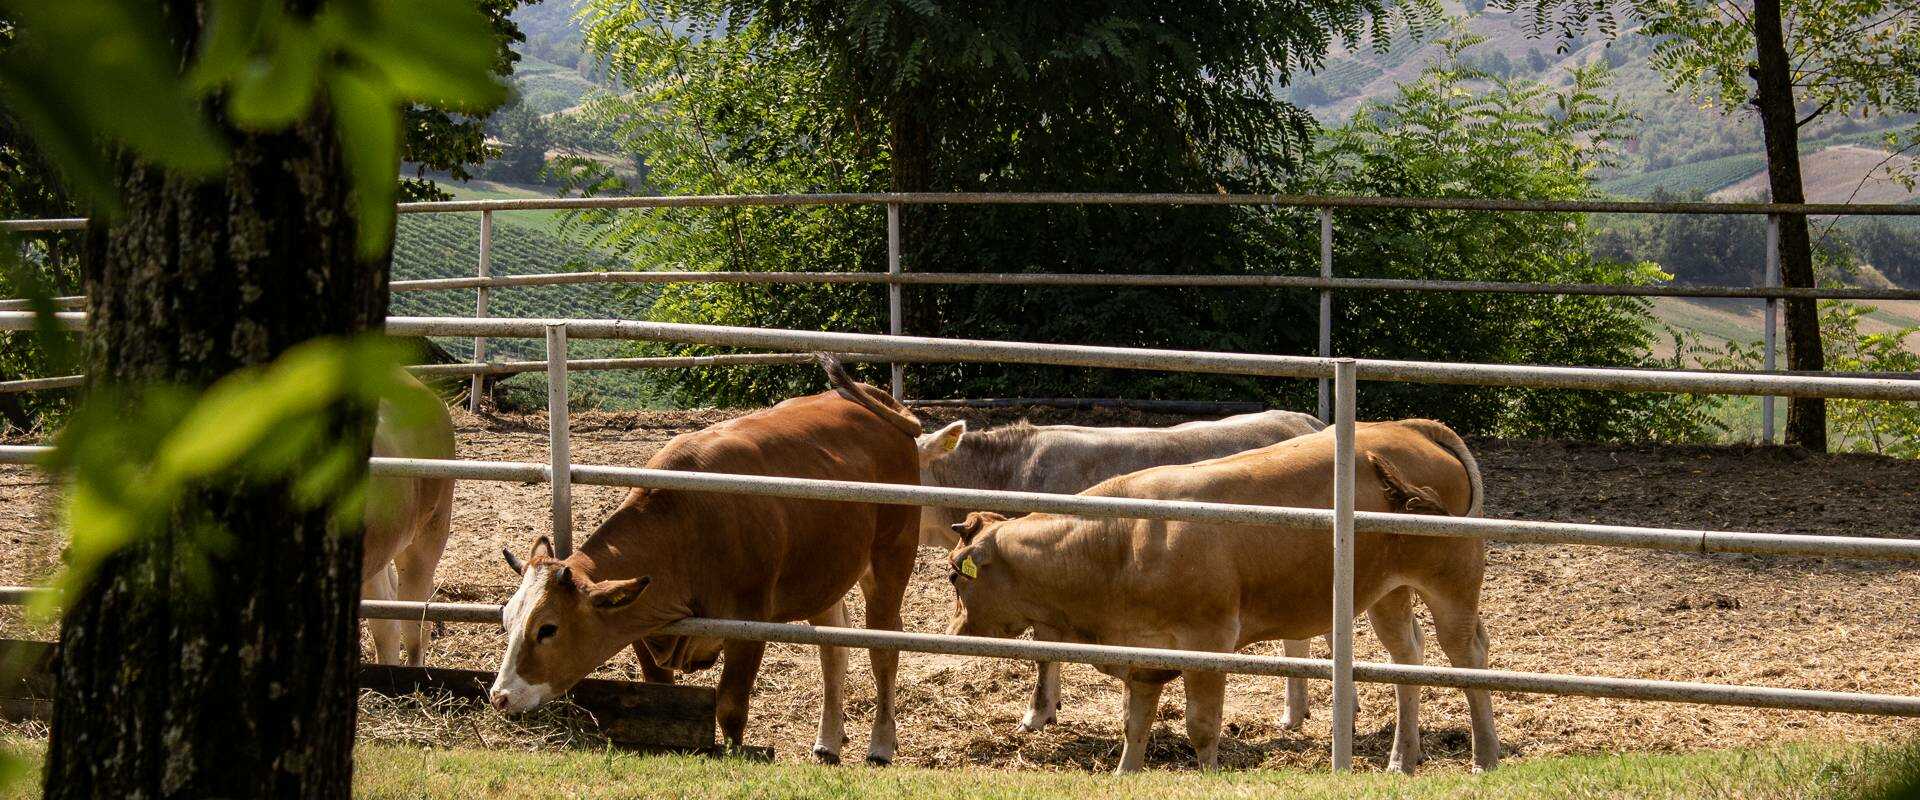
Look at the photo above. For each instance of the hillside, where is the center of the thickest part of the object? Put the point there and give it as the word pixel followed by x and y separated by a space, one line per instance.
pixel 1844 173
pixel 448 246
pixel 1679 143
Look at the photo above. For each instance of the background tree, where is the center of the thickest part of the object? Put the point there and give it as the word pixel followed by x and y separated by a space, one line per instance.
pixel 979 97
pixel 454 140
pixel 524 139
pixel 244 210
pixel 1842 58
pixel 707 123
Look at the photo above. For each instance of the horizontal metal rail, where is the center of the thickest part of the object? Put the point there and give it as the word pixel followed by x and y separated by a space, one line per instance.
pixel 67 303
pixel 1187 281
pixel 42 384
pixel 1162 199
pixel 1104 198
pixel 517 367
pixel 1716 694
pixel 964 350
pixel 1506 530
pixel 648 362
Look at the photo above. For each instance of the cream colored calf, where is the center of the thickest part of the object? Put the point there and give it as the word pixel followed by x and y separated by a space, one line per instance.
pixel 1220 587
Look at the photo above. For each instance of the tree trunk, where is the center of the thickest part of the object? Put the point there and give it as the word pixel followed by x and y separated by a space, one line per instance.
pixel 1773 77
pixel 222 668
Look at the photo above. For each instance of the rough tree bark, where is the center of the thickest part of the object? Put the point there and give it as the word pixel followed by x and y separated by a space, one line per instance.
pixel 1773 77
pixel 236 680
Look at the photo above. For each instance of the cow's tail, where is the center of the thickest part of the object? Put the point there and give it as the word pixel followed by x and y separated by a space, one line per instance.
pixel 877 401
pixel 1444 436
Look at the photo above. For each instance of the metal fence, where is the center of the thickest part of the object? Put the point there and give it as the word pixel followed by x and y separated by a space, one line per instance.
pixel 895 278
pixel 1339 379
pixel 1341 519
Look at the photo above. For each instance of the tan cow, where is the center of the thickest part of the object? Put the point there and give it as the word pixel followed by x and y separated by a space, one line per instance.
pixel 407 524
pixel 1065 459
pixel 665 555
pixel 1221 587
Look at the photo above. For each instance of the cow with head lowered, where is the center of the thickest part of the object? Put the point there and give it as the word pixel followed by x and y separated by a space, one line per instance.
pixel 1067 459
pixel 1219 587
pixel 665 555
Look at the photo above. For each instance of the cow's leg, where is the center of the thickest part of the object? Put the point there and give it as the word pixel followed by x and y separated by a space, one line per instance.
pixel 1046 698
pixel 736 683
pixel 1142 705
pixel 1295 714
pixel 1206 696
pixel 1392 618
pixel 885 590
pixel 386 632
pixel 650 670
pixel 414 568
pixel 833 679
pixel 1456 620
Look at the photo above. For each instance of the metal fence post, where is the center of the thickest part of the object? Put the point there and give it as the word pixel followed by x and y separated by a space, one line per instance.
pixel 1773 316
pixel 480 308
pixel 1326 306
pixel 558 451
pixel 1342 636
pixel 893 294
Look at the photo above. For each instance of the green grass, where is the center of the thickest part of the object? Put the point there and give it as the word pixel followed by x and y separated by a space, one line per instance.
pixel 448 246
pixel 386 771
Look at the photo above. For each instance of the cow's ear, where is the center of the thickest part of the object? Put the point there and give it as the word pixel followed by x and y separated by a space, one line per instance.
pixel 976 522
pixel 937 445
pixel 614 594
pixel 543 548
pixel 513 562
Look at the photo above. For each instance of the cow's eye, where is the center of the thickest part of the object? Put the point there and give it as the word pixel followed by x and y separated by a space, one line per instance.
pixel 954 577
pixel 546 632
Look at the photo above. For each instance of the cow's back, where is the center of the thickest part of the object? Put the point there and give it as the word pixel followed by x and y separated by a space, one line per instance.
pixel 1068 459
pixel 802 552
pixel 1164 571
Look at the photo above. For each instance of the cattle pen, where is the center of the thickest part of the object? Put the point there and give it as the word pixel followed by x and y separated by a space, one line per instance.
pixel 1339 377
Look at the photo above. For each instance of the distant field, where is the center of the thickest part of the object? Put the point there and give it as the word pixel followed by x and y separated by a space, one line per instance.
pixel 1846 173
pixel 448 246
pixel 545 221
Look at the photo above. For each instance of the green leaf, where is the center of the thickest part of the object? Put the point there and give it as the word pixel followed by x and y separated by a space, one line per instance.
pixel 233 29
pixel 280 91
pixel 366 117
pixel 88 71
pixel 242 409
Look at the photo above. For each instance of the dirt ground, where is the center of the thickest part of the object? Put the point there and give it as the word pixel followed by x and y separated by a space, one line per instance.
pixel 1790 622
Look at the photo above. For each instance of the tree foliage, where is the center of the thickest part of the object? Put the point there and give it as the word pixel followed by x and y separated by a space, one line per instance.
pixel 750 108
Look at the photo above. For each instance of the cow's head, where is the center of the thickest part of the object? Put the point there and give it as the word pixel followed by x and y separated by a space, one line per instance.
pixel 983 590
pixel 560 625
pixel 935 447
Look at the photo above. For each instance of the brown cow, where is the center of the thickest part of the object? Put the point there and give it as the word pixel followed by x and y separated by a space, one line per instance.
pixel 407 524
pixel 1064 459
pixel 1220 587
pixel 665 555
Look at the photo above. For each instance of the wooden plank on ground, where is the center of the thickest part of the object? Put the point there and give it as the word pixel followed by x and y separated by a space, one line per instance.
pixel 638 716
pixel 644 716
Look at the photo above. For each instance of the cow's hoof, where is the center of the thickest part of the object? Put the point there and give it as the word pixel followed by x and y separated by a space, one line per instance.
pixel 825 756
pixel 879 760
pixel 1290 724
pixel 1031 725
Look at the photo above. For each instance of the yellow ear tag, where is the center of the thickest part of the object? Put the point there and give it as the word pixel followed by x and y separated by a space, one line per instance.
pixel 950 443
pixel 968 568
